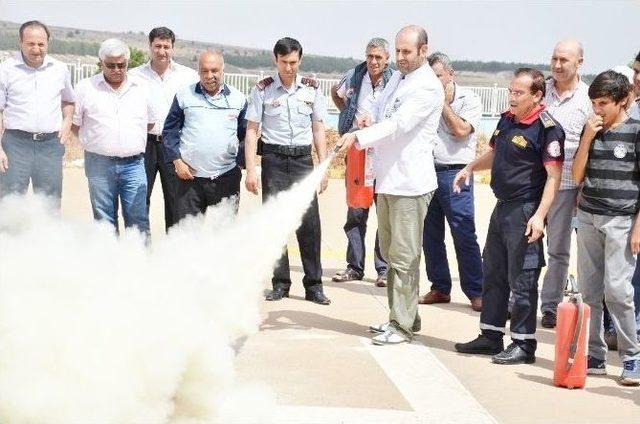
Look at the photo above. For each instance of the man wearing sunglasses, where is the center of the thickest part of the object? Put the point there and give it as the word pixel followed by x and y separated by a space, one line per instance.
pixel 113 114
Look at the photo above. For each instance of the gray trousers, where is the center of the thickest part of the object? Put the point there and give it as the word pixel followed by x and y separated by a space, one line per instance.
pixel 558 248
pixel 400 227
pixel 605 268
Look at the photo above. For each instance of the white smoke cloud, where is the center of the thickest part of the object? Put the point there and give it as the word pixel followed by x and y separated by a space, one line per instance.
pixel 96 328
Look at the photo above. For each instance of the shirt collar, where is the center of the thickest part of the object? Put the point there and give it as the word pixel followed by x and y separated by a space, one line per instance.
pixel 551 86
pixel 224 90
pixel 129 82
pixel 417 72
pixel 278 82
pixel 531 117
pixel 171 68
pixel 20 60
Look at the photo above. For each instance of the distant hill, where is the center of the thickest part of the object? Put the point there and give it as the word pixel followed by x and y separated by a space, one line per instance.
pixel 82 42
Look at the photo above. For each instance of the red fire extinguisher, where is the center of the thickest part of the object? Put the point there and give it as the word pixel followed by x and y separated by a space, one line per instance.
pixel 572 337
pixel 359 177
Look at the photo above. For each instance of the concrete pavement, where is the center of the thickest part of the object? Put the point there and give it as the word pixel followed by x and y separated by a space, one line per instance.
pixel 323 369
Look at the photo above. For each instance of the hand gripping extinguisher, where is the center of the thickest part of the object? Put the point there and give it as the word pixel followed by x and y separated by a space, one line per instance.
pixel 359 177
pixel 572 338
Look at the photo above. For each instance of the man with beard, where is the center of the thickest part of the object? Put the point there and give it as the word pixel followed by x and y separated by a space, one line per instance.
pixel 404 133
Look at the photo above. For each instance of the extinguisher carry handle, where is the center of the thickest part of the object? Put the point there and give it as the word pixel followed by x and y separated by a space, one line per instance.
pixel 573 347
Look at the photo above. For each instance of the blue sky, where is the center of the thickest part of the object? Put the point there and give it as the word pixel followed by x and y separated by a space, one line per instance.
pixel 475 30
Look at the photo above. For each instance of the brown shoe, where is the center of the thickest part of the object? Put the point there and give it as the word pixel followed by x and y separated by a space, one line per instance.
pixel 434 296
pixel 476 304
pixel 381 281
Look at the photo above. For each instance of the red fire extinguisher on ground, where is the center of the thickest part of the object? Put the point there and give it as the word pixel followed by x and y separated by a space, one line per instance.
pixel 572 337
pixel 359 177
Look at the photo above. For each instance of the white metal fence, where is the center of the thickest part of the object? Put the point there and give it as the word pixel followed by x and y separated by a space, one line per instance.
pixel 494 99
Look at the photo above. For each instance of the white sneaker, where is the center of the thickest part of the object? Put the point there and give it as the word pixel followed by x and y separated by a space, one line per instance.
pixel 380 328
pixel 389 337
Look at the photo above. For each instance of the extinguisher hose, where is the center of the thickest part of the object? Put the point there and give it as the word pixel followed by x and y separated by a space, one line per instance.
pixel 573 348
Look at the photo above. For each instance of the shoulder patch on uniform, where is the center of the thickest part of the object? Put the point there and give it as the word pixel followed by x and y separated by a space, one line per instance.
pixel 547 120
pixel 310 82
pixel 264 83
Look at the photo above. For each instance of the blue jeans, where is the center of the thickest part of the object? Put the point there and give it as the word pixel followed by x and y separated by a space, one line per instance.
pixel 118 180
pixel 356 228
pixel 37 161
pixel 458 209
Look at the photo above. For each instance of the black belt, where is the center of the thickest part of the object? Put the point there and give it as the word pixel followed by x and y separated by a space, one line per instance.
pixel 451 167
pixel 39 136
pixel 287 150
pixel 154 137
pixel 117 158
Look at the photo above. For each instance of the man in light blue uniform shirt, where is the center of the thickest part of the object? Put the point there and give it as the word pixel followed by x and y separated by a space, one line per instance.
pixel 290 110
pixel 201 137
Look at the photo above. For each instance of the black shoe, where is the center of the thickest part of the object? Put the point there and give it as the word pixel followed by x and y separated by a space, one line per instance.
pixel 512 355
pixel 481 346
pixel 549 319
pixel 348 274
pixel 277 293
pixel 316 296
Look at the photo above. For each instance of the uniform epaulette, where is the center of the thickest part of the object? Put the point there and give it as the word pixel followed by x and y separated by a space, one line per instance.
pixel 547 120
pixel 264 83
pixel 310 82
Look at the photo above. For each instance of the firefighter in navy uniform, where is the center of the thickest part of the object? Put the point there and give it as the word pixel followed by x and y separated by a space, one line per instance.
pixel 290 111
pixel 526 156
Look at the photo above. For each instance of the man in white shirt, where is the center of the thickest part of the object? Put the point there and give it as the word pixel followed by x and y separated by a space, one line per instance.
pixel 36 105
pixel 113 114
pixel 164 77
pixel 404 133
pixel 354 96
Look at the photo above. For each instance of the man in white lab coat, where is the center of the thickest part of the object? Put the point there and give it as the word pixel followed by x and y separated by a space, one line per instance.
pixel 403 133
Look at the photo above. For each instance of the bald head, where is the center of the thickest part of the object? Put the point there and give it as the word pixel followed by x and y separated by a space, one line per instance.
pixel 209 55
pixel 210 68
pixel 411 48
pixel 415 33
pixel 566 61
pixel 570 45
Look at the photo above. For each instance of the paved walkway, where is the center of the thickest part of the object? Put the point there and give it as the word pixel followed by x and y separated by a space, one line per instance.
pixel 323 369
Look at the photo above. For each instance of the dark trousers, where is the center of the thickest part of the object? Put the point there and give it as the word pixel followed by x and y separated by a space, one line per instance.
pixel 155 163
pixel 29 160
pixel 510 263
pixel 356 228
pixel 458 209
pixel 279 173
pixel 193 197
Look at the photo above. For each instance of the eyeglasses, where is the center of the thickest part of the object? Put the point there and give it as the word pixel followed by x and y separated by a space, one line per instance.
pixel 122 65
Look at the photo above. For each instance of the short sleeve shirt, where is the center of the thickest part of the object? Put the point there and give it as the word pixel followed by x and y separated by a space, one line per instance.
pixel 521 151
pixel 286 114
pixel 450 149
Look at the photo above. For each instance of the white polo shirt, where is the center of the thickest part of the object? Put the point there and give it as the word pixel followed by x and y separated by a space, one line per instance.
pixel 163 89
pixel 113 123
pixel 31 98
